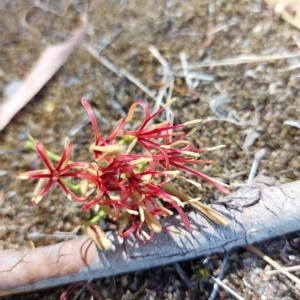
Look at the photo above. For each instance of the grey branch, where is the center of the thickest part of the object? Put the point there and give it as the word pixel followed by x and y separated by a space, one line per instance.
pixel 277 212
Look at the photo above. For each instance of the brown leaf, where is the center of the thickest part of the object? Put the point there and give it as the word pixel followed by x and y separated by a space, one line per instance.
pixel 47 65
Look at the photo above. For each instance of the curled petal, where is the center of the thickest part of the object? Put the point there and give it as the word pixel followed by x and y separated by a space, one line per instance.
pixel 98 236
pixel 132 229
pixel 92 118
pixel 41 150
pixel 152 222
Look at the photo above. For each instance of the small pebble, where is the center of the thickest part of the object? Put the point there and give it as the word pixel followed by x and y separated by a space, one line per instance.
pixel 124 281
pixel 11 87
pixel 170 288
pixel 72 80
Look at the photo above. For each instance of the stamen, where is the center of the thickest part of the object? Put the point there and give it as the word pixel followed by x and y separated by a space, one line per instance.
pixel 145 234
pixel 165 146
pixel 123 224
pixel 178 201
pixel 192 122
pixel 191 181
pixel 172 175
pixel 23 177
pixel 131 146
pixel 216 147
pixel 37 199
pixel 219 182
pixel 141 160
pixel 191 153
pixel 179 143
pixel 109 150
pixel 191 131
pixel 132 212
pixel 193 200
pixel 152 222
pixel 176 232
pixel 167 211
pixel 142 215
pixel 99 237
pixel 169 103
pixel 67 142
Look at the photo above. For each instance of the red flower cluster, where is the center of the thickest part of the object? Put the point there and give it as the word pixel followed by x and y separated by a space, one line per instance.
pixel 131 173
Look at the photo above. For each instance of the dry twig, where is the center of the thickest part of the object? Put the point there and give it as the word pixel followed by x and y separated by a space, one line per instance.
pixel 215 290
pixel 274 272
pixel 227 288
pixel 272 263
pixel 241 59
pixel 120 72
pixel 259 155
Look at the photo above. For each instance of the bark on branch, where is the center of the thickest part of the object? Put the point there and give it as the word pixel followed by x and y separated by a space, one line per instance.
pixel 268 211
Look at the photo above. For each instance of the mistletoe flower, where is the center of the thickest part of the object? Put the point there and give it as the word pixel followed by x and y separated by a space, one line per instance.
pixel 51 175
pixel 129 179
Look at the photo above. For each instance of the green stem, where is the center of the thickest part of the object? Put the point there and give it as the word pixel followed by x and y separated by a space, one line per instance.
pixel 95 219
pixel 71 186
pixel 54 157
pixel 98 217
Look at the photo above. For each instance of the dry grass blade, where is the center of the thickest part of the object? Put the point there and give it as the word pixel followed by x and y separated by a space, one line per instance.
pixel 215 290
pixel 232 117
pixel 46 66
pixel 55 235
pixel 274 272
pixel 120 72
pixel 272 263
pixel 104 61
pixel 259 155
pixel 137 83
pixel 158 56
pixel 185 69
pixel 166 89
pixel 183 276
pixel 241 59
pixel 61 10
pixel 227 288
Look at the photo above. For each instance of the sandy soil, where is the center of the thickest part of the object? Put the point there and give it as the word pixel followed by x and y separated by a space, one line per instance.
pixel 235 101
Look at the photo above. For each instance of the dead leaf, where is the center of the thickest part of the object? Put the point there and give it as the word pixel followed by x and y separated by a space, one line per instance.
pixel 288 10
pixel 47 65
